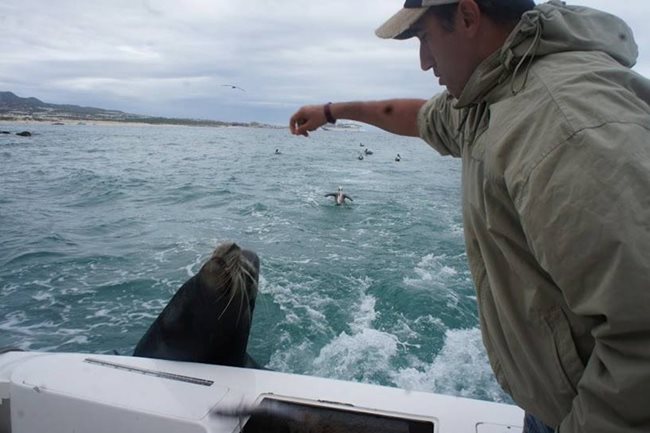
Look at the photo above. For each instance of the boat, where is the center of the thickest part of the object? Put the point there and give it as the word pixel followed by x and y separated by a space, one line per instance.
pixel 342 127
pixel 98 393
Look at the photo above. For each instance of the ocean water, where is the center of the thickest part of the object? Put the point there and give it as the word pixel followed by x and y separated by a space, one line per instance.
pixel 100 225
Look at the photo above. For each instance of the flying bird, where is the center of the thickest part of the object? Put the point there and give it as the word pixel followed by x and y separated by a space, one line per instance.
pixel 232 86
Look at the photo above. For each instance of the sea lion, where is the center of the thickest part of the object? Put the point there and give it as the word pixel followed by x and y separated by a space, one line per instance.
pixel 209 318
pixel 339 196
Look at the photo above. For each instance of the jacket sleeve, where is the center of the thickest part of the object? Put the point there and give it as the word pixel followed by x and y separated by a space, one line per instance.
pixel 585 209
pixel 438 124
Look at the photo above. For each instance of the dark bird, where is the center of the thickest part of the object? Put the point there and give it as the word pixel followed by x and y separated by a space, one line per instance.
pixel 232 86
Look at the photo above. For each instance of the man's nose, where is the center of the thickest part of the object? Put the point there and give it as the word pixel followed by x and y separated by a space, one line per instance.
pixel 426 60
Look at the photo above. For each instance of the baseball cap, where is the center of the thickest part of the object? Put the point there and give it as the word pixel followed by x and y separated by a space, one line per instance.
pixel 398 25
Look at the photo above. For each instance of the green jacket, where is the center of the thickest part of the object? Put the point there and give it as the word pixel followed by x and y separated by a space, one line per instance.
pixel 554 134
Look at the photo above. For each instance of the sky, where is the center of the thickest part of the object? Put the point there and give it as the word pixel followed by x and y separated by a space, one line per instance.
pixel 173 58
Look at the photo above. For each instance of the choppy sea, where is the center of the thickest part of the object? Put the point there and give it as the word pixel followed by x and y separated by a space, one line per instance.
pixel 99 225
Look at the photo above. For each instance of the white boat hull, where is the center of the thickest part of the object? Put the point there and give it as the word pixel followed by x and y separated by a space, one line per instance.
pixel 73 392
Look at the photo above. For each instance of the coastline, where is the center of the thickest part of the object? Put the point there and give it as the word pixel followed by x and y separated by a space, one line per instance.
pixel 102 122
pixel 67 122
pixel 30 111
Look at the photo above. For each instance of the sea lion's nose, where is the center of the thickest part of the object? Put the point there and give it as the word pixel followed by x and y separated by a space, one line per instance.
pixel 253 258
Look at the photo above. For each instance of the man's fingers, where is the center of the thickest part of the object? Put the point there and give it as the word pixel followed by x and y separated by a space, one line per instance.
pixel 304 120
pixel 293 123
pixel 301 126
pixel 297 122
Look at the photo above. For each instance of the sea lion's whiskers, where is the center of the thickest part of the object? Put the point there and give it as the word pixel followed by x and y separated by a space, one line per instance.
pixel 239 269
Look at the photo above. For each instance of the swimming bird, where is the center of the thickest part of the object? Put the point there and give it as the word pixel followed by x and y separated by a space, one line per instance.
pixel 339 196
pixel 398 158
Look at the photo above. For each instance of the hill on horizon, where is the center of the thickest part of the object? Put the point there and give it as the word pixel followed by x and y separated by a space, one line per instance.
pixel 13 107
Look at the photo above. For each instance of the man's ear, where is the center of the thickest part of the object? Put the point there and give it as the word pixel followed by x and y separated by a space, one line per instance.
pixel 468 17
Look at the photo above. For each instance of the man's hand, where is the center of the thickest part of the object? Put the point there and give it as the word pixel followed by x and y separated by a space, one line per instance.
pixel 307 118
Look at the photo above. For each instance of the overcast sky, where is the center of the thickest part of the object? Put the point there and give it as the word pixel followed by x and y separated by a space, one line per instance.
pixel 172 57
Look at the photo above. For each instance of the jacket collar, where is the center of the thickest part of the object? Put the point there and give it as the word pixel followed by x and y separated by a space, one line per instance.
pixel 549 28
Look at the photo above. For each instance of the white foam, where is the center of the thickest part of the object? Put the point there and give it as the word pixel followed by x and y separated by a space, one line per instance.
pixel 461 368
pixel 43 296
pixel 194 267
pixel 294 357
pixel 363 354
pixel 364 315
pixel 102 312
pixel 79 339
pixel 433 272
pixel 12 320
pixel 43 283
pixel 298 305
pixel 9 289
pixel 359 356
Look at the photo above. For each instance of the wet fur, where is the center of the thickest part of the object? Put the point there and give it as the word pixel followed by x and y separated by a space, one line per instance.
pixel 209 318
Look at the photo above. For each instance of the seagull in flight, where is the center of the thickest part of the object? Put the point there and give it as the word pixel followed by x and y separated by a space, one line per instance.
pixel 232 86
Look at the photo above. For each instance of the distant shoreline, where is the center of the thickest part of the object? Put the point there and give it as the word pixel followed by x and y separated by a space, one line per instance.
pixel 28 111
pixel 139 121
pixel 68 122
pixel 74 123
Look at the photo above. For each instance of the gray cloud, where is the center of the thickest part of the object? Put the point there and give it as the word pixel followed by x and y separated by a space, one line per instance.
pixel 170 58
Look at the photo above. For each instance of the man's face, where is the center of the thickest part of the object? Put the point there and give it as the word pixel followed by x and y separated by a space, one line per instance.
pixel 451 55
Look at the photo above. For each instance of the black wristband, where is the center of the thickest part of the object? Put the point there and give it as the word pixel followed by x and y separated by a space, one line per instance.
pixel 328 113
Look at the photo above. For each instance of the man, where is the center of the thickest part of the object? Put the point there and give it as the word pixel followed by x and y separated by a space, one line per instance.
pixel 554 132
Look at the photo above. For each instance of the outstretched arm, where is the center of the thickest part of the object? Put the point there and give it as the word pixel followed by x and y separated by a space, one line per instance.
pixel 398 116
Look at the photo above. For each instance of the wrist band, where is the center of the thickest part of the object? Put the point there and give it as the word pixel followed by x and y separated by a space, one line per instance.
pixel 328 113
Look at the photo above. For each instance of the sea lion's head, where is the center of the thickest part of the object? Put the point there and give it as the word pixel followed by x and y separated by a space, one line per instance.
pixel 209 317
pixel 234 272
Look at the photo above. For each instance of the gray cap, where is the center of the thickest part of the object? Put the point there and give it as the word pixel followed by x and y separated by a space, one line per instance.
pixel 398 25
